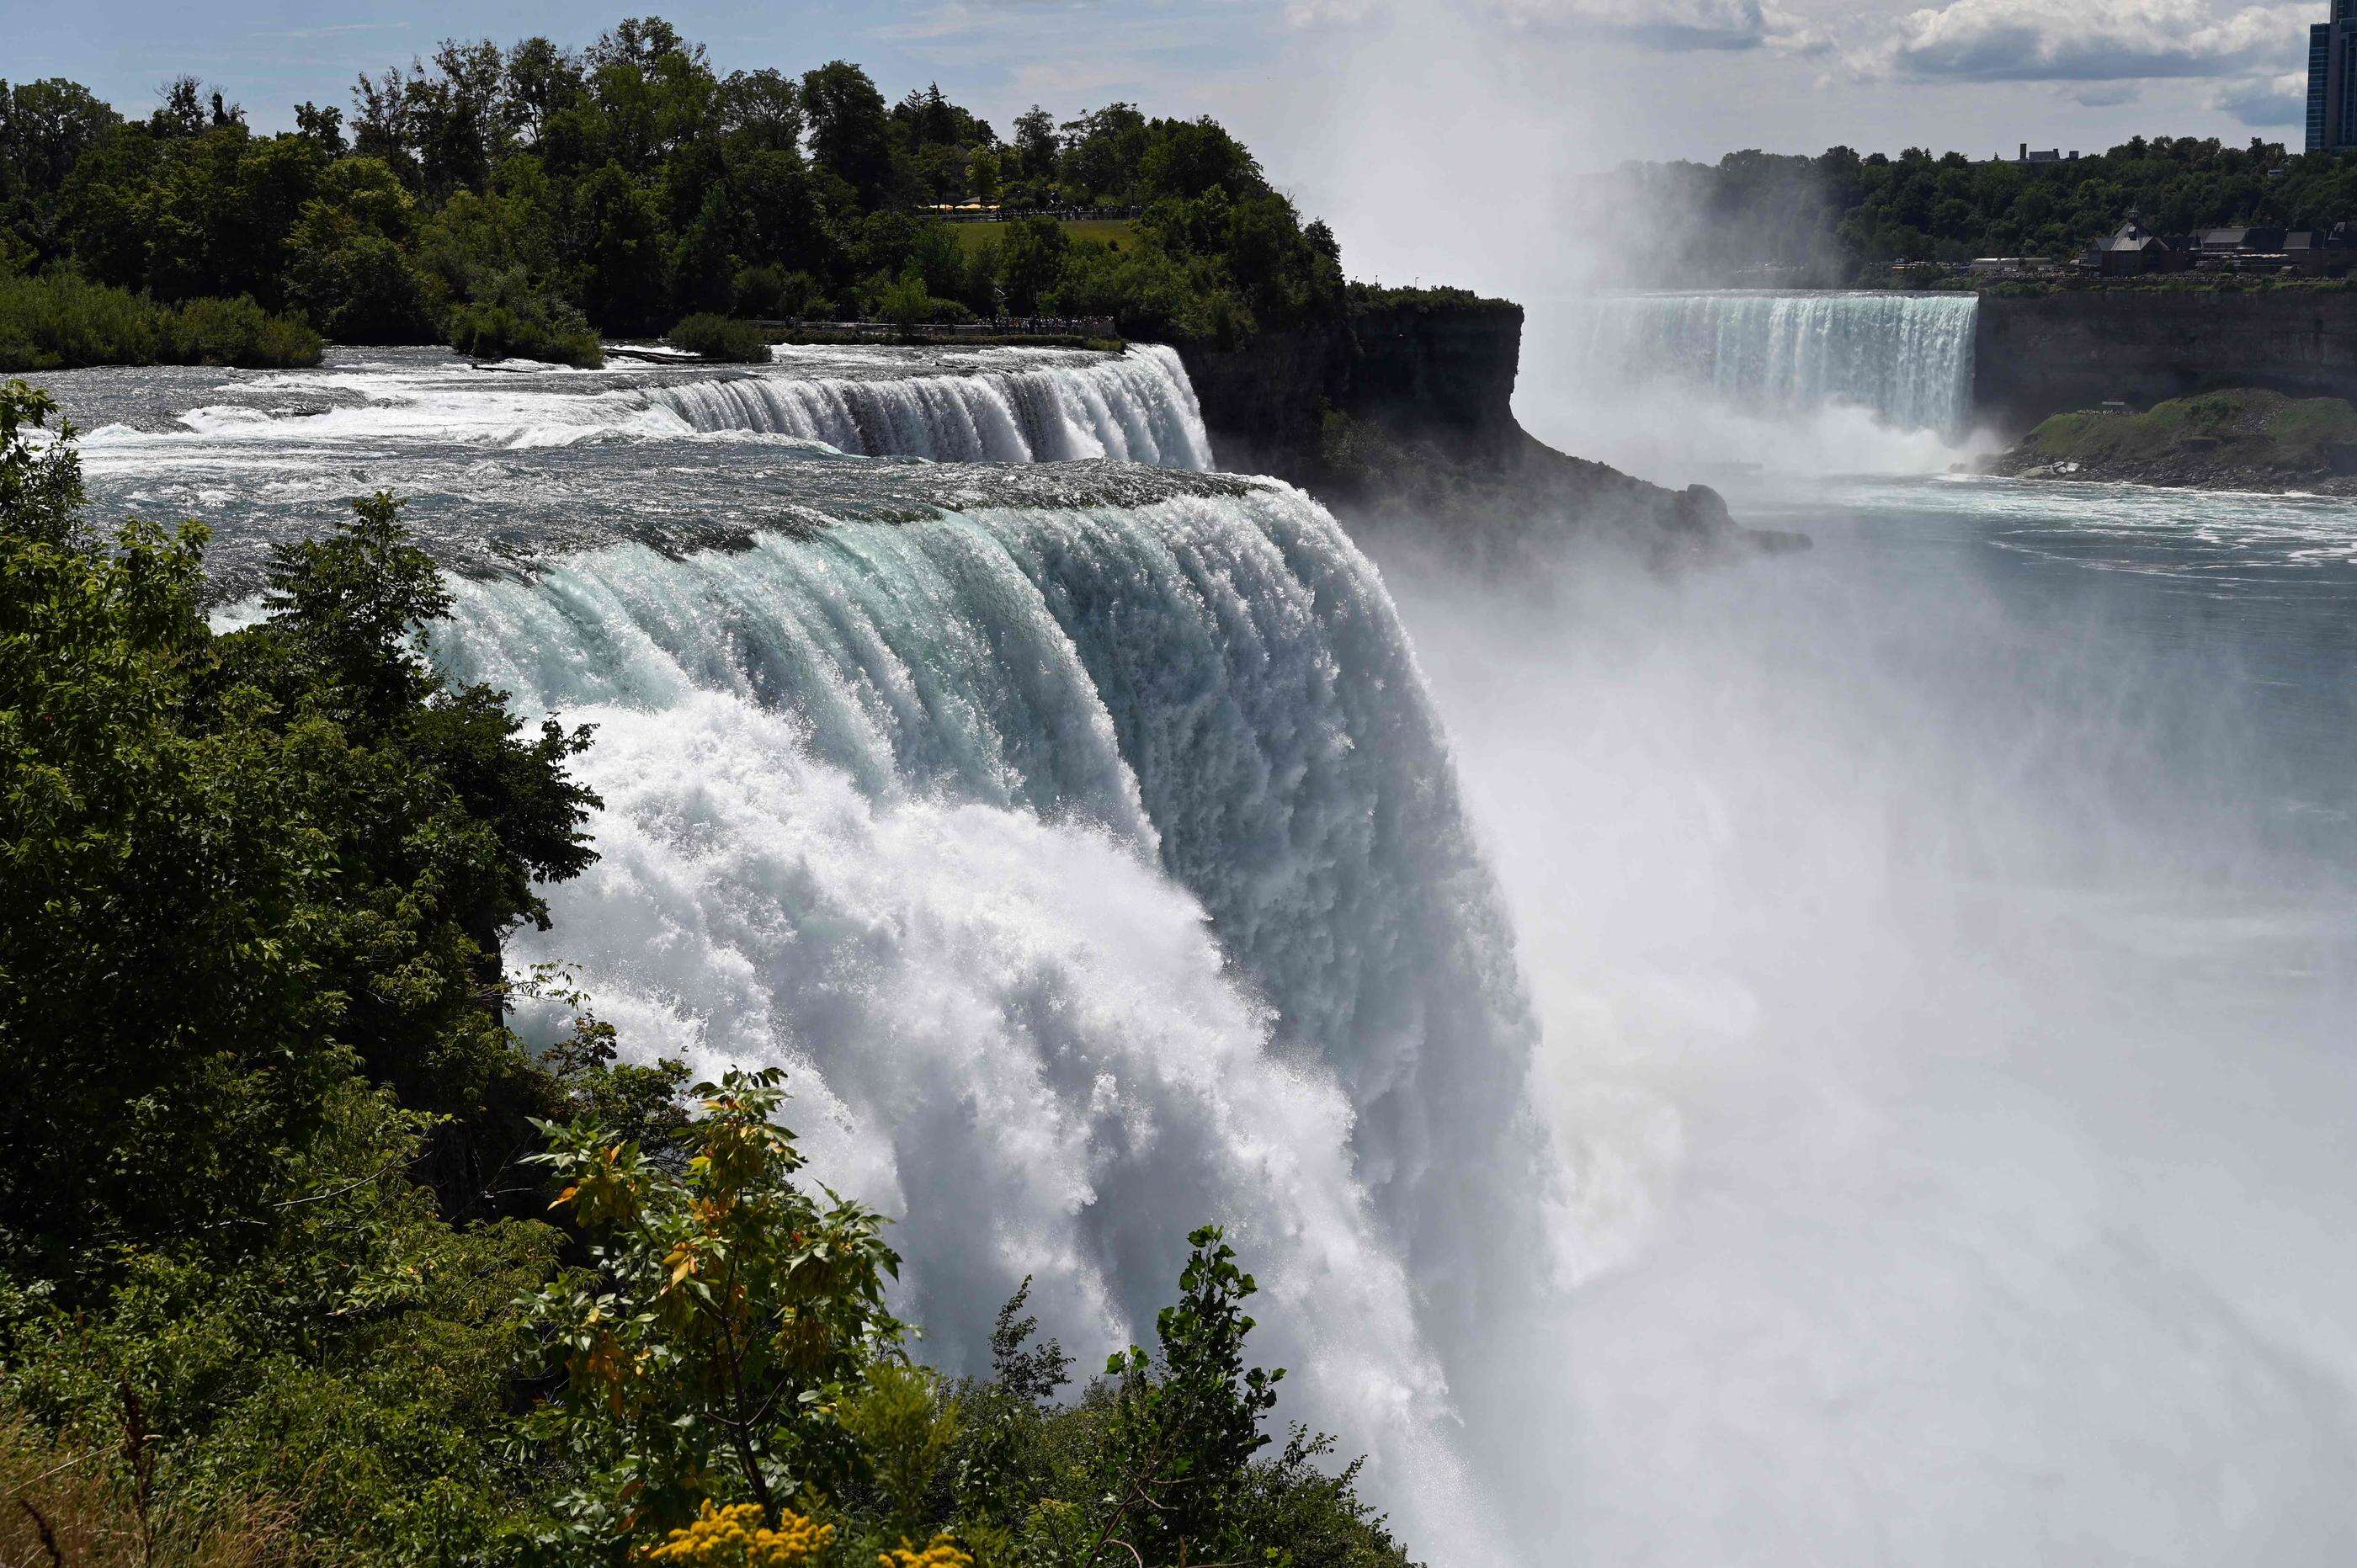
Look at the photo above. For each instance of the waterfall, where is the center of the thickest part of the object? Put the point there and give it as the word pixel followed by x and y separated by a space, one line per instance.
pixel 396 405
pixel 1094 870
pixel 1907 357
pixel 1138 406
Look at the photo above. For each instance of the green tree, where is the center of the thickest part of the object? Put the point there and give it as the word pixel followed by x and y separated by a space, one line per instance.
pixel 1187 1421
pixel 725 1318
pixel 851 133
pixel 625 262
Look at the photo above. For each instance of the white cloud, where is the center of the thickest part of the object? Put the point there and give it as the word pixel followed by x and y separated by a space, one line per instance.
pixel 2265 101
pixel 2087 40
pixel 1667 26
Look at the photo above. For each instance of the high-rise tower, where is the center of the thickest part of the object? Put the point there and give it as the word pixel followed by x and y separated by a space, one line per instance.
pixel 2331 102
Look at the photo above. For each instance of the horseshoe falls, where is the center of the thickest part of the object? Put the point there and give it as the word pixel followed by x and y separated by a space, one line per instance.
pixel 1907 358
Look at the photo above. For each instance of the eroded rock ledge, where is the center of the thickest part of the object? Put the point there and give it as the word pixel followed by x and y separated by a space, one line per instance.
pixel 1401 414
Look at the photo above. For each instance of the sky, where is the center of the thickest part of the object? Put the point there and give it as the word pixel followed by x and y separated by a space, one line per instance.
pixel 1442 140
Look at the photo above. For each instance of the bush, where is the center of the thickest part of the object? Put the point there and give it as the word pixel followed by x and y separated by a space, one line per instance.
pixel 772 291
pixel 62 321
pixel 721 338
pixel 511 319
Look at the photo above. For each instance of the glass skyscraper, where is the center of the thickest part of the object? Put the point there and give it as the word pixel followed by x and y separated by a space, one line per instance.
pixel 2332 105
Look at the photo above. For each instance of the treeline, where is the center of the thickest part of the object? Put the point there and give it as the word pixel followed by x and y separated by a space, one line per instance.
pixel 629 185
pixel 305 1258
pixel 1843 217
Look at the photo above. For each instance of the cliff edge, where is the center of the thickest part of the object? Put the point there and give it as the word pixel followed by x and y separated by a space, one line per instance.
pixel 1400 414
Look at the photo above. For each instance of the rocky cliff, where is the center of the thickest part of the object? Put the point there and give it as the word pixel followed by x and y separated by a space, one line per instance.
pixel 1401 415
pixel 2038 357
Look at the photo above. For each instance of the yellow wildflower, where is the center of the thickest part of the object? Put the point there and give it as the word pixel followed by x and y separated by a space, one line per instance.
pixel 939 1552
pixel 735 1537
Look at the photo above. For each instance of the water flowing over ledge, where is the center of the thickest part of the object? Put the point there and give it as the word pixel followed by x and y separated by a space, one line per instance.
pixel 1906 357
pixel 1094 869
pixel 1006 405
pixel 1137 406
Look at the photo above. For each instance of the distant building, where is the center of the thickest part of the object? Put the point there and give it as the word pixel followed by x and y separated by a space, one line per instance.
pixel 2233 242
pixel 2054 154
pixel 2332 96
pixel 2135 251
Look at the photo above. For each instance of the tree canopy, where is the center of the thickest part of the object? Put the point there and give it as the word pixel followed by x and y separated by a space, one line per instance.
pixel 633 182
pixel 1843 216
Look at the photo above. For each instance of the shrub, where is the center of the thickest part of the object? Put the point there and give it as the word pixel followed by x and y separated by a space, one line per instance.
pixel 512 319
pixel 721 338
pixel 61 321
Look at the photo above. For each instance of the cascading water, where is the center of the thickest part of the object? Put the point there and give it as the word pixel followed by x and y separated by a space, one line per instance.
pixel 1906 357
pixel 1138 406
pixel 975 406
pixel 1095 869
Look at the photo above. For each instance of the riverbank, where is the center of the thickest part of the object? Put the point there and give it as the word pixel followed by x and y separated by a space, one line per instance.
pixel 2247 439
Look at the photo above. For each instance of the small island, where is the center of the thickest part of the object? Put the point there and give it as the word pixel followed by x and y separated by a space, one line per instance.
pixel 2244 439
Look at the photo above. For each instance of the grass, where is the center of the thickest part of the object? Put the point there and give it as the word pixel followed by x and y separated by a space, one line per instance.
pixel 60 321
pixel 1109 231
pixel 2243 428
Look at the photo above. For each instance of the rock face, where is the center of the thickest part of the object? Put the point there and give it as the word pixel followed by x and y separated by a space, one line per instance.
pixel 2033 358
pixel 1401 417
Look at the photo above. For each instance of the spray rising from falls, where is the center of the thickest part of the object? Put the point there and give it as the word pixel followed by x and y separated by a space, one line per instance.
pixel 1138 406
pixel 1907 358
pixel 1095 869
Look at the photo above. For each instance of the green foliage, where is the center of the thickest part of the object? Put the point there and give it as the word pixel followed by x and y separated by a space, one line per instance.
pixel 58 321
pixel 239 867
pixel 511 318
pixel 343 1374
pixel 631 183
pixel 1843 217
pixel 726 1320
pixel 1187 1422
pixel 721 338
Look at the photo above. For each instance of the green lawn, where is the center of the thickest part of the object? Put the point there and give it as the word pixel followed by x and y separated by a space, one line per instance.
pixel 1113 230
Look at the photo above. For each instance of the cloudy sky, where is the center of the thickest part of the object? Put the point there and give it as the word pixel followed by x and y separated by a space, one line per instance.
pixel 1443 133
